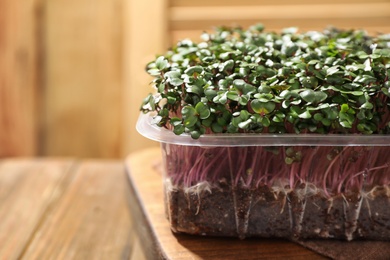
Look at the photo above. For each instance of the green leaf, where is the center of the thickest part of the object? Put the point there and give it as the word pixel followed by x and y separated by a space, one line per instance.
pixel 346 124
pixel 320 74
pixel 335 79
pixel 288 160
pixel 221 98
pixel 326 122
pixel 367 105
pixel 308 95
pixel 264 97
pixel 332 70
pixel 233 95
pixel 173 78
pixel 305 115
pixel 154 72
pixel 385 91
pixel 346 120
pixel 318 116
pixel 221 121
pixel 367 65
pixel 194 89
pixel 285 94
pixel 161 63
pixel 239 83
pixel 161 87
pixel 225 83
pixel 365 79
pixel 245 124
pixel 176 82
pixel 195 134
pixel 179 129
pixel 262 108
pixel 312 96
pixel 344 108
pixel 286 104
pixel 355 93
pixel 202 110
pixel 194 69
pixel 175 121
pixel 216 128
pixel 227 65
pixel 265 121
pixel 366 128
pixel 190 121
pixel 210 94
pixel 278 118
pixel 309 82
pixel 156 120
pixel 244 115
pixel 290 51
pixel 188 111
pixel 243 100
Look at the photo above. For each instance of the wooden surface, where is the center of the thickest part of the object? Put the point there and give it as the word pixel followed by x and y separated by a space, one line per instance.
pixel 65 209
pixel 18 76
pixel 82 93
pixel 146 34
pixel 158 240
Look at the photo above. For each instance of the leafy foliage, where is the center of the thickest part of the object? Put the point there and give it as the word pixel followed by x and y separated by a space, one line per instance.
pixel 252 81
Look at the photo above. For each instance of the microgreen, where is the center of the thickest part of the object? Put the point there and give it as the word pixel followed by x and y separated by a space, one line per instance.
pixel 253 81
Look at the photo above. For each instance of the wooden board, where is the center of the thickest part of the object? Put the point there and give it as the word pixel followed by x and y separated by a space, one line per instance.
pixel 371 16
pixel 146 35
pixel 159 242
pixel 28 189
pixel 263 2
pixel 18 77
pixel 91 221
pixel 82 93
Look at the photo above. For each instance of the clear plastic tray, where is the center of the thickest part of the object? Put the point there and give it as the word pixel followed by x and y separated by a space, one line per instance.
pixel 285 185
pixel 163 135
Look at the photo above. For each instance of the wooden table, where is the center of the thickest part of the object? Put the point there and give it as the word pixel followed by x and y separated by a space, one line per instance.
pixel 60 208
pixel 146 201
pixel 64 209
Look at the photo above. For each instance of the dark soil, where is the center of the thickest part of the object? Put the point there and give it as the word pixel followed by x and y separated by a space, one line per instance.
pixel 262 212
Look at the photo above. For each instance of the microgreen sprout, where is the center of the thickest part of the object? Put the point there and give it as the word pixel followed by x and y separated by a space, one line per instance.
pixel 252 81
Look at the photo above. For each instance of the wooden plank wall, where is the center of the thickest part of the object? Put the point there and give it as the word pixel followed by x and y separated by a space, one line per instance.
pixel 72 71
pixel 61 75
pixel 18 76
pixel 82 78
pixel 190 18
pixel 146 34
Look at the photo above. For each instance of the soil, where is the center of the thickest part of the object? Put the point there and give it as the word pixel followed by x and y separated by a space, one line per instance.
pixel 223 210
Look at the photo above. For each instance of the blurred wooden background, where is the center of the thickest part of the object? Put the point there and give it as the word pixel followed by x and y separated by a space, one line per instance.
pixel 72 71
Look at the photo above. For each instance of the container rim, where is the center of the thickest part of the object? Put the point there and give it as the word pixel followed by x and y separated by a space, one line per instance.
pixel 145 127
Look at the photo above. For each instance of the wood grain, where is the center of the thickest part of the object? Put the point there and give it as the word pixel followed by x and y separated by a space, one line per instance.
pixel 158 239
pixel 28 189
pixel 369 16
pixel 83 78
pixel 146 35
pixel 18 77
pixel 263 2
pixel 91 221
pixel 291 11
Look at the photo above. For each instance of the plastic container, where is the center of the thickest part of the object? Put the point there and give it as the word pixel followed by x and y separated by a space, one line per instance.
pixel 263 185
